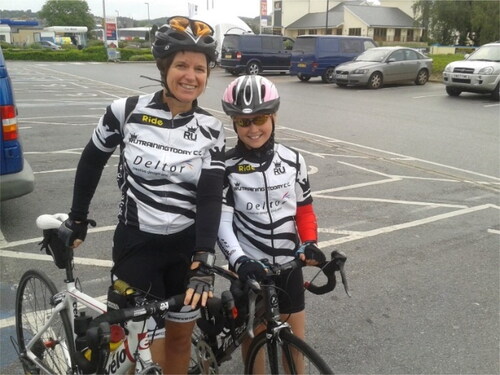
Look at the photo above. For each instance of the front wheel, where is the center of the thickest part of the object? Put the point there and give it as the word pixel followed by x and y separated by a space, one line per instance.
pixel 376 81
pixel 453 91
pixel 35 309
pixel 285 354
pixel 328 75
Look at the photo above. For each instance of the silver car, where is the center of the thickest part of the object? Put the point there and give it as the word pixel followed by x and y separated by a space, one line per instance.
pixel 479 72
pixel 380 65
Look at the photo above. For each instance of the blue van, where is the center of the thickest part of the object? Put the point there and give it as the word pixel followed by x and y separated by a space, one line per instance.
pixel 318 55
pixel 253 54
pixel 16 176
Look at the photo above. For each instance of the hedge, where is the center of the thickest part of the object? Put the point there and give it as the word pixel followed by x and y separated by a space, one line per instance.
pixel 95 53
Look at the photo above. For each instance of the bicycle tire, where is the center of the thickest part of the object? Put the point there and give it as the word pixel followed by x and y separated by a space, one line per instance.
pixel 56 346
pixel 279 355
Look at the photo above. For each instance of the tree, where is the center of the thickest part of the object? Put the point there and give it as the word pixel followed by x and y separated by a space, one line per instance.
pixel 422 15
pixel 455 21
pixel 486 21
pixel 67 13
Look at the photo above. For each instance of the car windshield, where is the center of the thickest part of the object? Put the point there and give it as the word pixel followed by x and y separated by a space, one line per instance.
pixel 373 54
pixel 486 53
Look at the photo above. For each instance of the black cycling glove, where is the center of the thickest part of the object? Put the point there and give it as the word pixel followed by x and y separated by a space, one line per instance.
pixel 70 230
pixel 200 280
pixel 247 268
pixel 312 252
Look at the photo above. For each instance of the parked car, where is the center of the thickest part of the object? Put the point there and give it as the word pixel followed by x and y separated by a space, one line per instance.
pixel 48 44
pixel 318 55
pixel 16 176
pixel 254 54
pixel 479 72
pixel 380 65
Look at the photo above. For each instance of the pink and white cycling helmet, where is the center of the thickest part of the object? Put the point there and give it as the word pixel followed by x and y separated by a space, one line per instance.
pixel 249 95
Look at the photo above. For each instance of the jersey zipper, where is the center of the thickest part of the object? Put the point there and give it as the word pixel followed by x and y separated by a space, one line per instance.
pixel 266 193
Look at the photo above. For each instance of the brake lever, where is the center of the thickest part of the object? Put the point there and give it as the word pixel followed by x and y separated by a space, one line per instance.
pixel 343 276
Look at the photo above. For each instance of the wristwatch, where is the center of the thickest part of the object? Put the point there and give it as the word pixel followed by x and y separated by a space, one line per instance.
pixel 208 259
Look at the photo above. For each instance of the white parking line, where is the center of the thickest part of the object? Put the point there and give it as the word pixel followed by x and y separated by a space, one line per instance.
pixel 410 224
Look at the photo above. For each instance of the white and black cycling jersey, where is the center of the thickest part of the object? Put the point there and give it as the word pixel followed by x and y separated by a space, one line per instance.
pixel 161 160
pixel 260 204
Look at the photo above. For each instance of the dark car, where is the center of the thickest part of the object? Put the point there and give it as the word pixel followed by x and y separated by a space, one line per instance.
pixel 254 54
pixel 318 55
pixel 16 176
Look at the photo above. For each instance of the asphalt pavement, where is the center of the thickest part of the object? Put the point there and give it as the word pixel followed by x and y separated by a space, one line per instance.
pixel 405 181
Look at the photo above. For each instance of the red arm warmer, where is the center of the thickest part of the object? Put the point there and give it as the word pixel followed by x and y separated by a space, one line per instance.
pixel 307 224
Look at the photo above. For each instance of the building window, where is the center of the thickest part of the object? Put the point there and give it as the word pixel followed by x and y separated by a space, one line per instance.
pixel 409 35
pixel 301 32
pixel 355 31
pixel 380 34
pixel 329 31
pixel 312 31
pixel 397 35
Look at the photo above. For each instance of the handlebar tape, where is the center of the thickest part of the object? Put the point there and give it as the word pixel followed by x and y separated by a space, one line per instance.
pixel 329 269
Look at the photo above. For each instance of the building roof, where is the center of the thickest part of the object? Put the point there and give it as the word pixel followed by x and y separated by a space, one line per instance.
pixel 318 20
pixel 381 16
pixel 372 15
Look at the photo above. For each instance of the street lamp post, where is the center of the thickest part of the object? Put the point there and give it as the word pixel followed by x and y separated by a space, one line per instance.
pixel 117 34
pixel 104 23
pixel 149 26
pixel 327 8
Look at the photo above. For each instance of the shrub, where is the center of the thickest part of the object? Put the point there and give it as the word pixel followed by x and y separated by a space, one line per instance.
pixel 146 57
pixel 5 45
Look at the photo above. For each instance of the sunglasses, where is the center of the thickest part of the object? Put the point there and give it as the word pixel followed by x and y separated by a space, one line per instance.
pixel 198 28
pixel 246 122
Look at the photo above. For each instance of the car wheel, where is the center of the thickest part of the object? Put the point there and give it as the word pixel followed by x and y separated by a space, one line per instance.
pixel 253 68
pixel 212 64
pixel 422 77
pixel 303 78
pixel 376 81
pixel 495 95
pixel 452 91
pixel 328 75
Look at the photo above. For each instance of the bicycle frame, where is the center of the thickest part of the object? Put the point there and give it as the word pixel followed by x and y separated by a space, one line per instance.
pixel 120 360
pixel 226 342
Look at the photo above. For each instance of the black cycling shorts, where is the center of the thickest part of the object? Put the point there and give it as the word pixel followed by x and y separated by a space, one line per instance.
pixel 153 263
pixel 291 291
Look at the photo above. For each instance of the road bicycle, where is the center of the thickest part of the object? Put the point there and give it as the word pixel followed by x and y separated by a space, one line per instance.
pixel 227 321
pixel 56 336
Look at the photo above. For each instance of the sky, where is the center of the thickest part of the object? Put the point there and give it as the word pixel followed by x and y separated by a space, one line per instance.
pixel 138 10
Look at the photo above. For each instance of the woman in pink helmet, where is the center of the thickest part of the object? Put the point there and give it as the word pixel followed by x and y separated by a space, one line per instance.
pixel 267 208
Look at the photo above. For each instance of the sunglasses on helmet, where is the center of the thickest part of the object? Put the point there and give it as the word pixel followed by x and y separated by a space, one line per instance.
pixel 198 28
pixel 246 122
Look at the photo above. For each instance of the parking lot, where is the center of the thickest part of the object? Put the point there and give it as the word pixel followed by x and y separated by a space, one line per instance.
pixel 409 191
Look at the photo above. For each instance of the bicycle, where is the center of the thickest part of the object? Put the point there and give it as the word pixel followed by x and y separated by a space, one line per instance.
pixel 54 337
pixel 228 320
